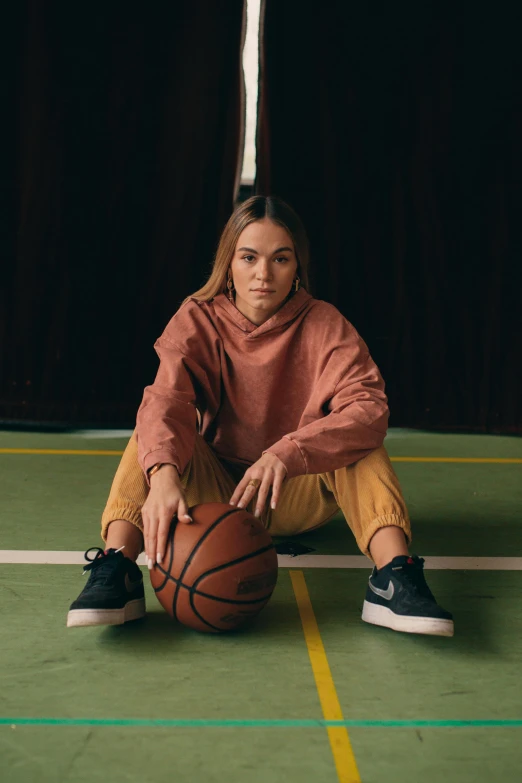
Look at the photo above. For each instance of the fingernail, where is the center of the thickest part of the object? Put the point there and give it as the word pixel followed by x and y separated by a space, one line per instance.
pixel 257 513
pixel 240 505
pixel 231 504
pixel 158 557
pixel 272 505
pixel 186 516
pixel 150 564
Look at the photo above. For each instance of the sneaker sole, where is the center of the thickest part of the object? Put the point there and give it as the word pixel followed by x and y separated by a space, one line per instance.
pixel 133 610
pixel 380 615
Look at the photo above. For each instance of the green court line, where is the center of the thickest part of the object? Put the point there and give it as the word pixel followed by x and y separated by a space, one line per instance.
pixel 197 723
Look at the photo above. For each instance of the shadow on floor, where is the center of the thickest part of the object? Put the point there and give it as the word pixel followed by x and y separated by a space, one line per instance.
pixel 157 632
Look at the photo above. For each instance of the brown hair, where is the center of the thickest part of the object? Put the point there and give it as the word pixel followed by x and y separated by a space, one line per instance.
pixel 255 208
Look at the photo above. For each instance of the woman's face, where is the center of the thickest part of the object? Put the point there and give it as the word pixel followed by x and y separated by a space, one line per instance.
pixel 263 269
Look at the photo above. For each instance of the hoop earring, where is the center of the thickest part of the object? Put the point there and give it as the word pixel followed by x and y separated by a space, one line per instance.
pixel 231 289
pixel 297 281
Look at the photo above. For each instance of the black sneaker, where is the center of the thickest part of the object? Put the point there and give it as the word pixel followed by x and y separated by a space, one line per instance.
pixel 399 598
pixel 113 594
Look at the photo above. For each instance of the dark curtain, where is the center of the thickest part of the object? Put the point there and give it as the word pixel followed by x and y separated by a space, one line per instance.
pixel 395 131
pixel 122 139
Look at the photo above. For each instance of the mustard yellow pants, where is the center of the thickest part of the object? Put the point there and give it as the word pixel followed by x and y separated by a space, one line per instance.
pixel 367 492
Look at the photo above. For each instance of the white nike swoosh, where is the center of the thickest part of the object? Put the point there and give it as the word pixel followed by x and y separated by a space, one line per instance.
pixel 130 585
pixel 387 594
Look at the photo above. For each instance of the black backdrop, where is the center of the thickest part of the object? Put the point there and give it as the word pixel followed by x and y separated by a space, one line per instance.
pixel 120 159
pixel 393 129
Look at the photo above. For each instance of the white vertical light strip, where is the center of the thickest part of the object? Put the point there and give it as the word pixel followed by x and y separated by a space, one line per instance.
pixel 251 71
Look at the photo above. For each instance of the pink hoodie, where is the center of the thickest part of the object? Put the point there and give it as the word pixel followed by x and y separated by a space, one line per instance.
pixel 302 386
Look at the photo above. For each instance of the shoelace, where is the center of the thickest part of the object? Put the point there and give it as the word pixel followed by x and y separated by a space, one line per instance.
pixel 99 560
pixel 414 574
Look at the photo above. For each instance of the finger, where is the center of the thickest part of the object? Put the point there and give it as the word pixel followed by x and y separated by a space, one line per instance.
pixel 164 521
pixel 238 492
pixel 150 540
pixel 183 512
pixel 262 494
pixel 276 488
pixel 248 494
pixel 162 535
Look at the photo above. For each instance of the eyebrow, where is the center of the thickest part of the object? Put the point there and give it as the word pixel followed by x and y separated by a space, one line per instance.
pixel 279 250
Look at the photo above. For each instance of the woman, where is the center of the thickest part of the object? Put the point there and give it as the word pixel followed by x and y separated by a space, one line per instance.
pixel 268 399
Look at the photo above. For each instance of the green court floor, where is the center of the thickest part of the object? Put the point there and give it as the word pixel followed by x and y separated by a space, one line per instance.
pixel 245 706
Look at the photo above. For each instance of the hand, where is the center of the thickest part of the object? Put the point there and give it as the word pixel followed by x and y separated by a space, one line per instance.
pixel 271 472
pixel 165 499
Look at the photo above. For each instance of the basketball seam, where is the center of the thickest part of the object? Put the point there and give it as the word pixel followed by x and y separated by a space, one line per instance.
pixel 194 550
pixel 230 600
pixel 208 595
pixel 232 562
pixel 193 607
pixel 200 617
pixel 193 588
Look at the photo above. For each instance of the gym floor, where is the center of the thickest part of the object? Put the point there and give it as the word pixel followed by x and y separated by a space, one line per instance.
pixel 309 692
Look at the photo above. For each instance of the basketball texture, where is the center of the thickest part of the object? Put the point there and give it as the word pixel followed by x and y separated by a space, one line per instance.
pixel 219 571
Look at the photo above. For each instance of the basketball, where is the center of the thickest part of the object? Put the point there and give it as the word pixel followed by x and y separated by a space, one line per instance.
pixel 219 571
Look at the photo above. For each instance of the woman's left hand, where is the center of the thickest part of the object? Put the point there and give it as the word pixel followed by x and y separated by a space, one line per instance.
pixel 271 472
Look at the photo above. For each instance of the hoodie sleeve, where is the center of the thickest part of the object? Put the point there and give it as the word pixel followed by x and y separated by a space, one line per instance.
pixel 166 421
pixel 350 392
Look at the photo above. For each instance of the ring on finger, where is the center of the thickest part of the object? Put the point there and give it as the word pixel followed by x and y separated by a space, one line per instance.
pixel 256 483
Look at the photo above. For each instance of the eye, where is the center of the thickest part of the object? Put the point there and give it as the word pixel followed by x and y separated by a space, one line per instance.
pixel 281 258
pixel 245 258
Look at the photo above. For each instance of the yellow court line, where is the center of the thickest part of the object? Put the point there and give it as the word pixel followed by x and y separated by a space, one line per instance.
pixel 84 452
pixel 101 453
pixel 501 460
pixel 340 744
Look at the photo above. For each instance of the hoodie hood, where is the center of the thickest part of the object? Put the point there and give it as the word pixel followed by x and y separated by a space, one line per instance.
pixel 298 305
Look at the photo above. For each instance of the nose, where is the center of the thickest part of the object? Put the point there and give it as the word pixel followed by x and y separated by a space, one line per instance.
pixel 263 271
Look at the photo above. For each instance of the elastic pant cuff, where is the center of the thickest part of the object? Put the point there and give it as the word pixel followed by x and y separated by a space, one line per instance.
pixel 129 513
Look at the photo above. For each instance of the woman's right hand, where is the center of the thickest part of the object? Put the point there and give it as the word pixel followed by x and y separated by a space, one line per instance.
pixel 165 500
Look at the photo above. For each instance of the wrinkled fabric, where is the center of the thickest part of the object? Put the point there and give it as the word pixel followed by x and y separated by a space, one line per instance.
pixel 302 386
pixel 367 492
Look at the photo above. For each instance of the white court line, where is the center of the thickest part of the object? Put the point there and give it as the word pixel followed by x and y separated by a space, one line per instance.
pixel 101 434
pixel 28 556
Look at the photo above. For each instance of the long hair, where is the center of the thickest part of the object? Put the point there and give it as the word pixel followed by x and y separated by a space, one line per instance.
pixel 255 208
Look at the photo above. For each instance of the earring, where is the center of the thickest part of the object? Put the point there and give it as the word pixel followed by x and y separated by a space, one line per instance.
pixel 230 286
pixel 297 281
